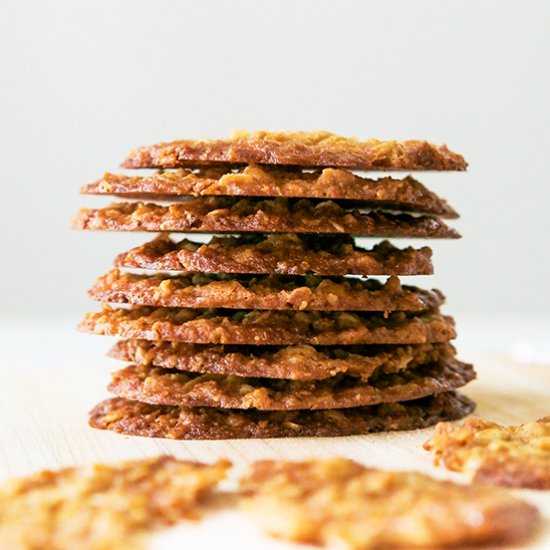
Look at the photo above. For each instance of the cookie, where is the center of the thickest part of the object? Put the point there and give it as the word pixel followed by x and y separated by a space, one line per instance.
pixel 269 327
pixel 263 292
pixel 246 215
pixel 339 503
pixel 134 418
pixel 308 149
pixel 301 362
pixel 406 195
pixel 512 456
pixel 284 254
pixel 167 387
pixel 103 506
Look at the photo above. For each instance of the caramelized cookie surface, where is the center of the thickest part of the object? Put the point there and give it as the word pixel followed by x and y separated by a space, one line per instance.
pixel 269 327
pixel 407 194
pixel 307 149
pixel 134 418
pixel 263 292
pixel 284 254
pixel 168 387
pixel 300 362
pixel 248 215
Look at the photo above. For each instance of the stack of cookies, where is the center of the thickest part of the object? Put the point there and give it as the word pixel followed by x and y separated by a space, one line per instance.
pixel 274 326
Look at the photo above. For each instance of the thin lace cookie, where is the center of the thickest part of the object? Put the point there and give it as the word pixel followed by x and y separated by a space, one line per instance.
pixel 262 292
pixel 306 149
pixel 341 503
pixel 284 254
pixel 249 215
pixel 257 327
pixel 129 417
pixel 406 195
pixel 299 362
pixel 158 386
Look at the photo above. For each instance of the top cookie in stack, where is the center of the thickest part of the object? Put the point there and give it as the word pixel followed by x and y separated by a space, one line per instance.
pixel 266 330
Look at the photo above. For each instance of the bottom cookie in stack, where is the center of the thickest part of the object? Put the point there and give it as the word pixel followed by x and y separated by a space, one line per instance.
pixel 135 418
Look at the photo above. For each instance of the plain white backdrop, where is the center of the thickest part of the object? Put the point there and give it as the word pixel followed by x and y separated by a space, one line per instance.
pixel 84 82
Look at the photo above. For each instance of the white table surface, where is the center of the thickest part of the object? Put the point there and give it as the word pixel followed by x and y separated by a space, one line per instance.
pixel 50 376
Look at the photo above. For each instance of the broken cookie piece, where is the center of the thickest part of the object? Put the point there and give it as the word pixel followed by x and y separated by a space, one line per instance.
pixel 511 456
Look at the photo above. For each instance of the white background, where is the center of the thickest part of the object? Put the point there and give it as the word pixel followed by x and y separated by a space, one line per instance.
pixel 84 82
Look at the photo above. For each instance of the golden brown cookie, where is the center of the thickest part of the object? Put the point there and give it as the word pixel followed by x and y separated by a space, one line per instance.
pixel 197 326
pixel 262 292
pixel 512 456
pixel 105 506
pixel 301 362
pixel 407 194
pixel 233 215
pixel 341 503
pixel 167 387
pixel 298 149
pixel 134 418
pixel 284 254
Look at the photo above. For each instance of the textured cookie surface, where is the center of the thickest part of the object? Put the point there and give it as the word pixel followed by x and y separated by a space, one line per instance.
pixel 134 418
pixel 263 292
pixel 512 456
pixel 103 506
pixel 284 254
pixel 343 504
pixel 301 362
pixel 167 387
pixel 269 327
pixel 405 194
pixel 230 215
pixel 298 149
